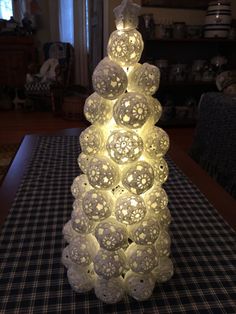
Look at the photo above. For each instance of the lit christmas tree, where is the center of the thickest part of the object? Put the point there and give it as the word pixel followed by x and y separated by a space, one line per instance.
pixel 118 240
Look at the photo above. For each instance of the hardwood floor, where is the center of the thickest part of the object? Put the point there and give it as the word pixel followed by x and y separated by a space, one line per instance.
pixel 15 124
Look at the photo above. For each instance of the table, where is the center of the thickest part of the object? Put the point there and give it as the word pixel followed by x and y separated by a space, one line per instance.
pixel 32 277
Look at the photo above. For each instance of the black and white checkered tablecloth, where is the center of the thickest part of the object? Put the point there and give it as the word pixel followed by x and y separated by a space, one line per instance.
pixel 33 280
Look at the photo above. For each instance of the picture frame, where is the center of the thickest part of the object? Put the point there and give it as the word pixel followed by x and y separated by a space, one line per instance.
pixel 177 4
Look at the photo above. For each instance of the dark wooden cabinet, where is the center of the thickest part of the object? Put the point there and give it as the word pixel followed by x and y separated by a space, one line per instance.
pixel 16 52
pixel 180 98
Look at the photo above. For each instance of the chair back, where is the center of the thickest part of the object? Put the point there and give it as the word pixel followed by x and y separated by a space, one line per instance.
pixel 214 144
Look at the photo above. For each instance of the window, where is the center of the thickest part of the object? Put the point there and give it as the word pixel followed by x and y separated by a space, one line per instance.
pixel 66 18
pixel 6 10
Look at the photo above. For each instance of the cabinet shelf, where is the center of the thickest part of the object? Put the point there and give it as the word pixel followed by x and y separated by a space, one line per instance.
pixel 193 40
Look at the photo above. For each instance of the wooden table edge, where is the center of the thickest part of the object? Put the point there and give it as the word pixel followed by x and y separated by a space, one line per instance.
pixel 216 195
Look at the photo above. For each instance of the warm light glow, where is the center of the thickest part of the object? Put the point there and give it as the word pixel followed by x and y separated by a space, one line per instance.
pixel 118 238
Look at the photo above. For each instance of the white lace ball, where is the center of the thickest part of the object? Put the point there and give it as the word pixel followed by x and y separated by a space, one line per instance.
pixel 164 218
pixel 125 47
pixel 80 186
pixel 83 161
pixel 139 286
pixel 138 178
pixel 156 200
pixel 109 79
pixel 68 232
pixel 91 140
pixel 163 243
pixel 97 205
pixel 81 279
pixel 108 264
pixel 82 249
pixel 144 78
pixel 111 235
pixel 124 146
pixel 156 143
pixel 142 258
pixel 103 173
pixel 164 271
pixel 80 222
pixel 156 109
pixel 97 109
pixel 131 110
pixel 145 232
pixel 130 209
pixel 109 291
pixel 161 170
pixel 65 259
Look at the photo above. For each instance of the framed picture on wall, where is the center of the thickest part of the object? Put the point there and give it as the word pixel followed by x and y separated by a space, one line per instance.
pixel 181 4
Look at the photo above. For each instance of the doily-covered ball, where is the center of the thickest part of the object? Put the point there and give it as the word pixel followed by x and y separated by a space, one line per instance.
pixel 142 258
pixel 65 258
pixel 81 279
pixel 68 232
pixel 130 209
pixel 109 291
pixel 145 232
pixel 144 79
pixel 97 205
pixel 127 15
pixel 164 218
pixel 138 178
pixel 80 186
pixel 103 173
pixel 163 243
pixel 124 146
pixel 108 264
pixel 80 222
pixel 164 271
pixel 109 79
pixel 139 286
pixel 131 110
pixel 111 235
pixel 91 140
pixel 156 143
pixel 161 170
pixel 97 109
pixel 82 249
pixel 83 161
pixel 125 47
pixel 156 109
pixel 156 200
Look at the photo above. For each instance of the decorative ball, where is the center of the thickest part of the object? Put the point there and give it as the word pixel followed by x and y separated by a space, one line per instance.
pixel 109 264
pixel 144 79
pixel 97 205
pixel 83 161
pixel 142 258
pixel 156 200
pixel 109 291
pixel 80 222
pixel 81 279
pixel 145 232
pixel 103 173
pixel 91 140
pixel 131 110
pixel 97 109
pixel 165 269
pixel 65 259
pixel 138 178
pixel 82 249
pixel 164 218
pixel 139 286
pixel 125 47
pixel 80 186
pixel 109 79
pixel 111 235
pixel 157 143
pixel 161 170
pixel 130 209
pixel 156 109
pixel 68 232
pixel 124 146
pixel 127 15
pixel 163 243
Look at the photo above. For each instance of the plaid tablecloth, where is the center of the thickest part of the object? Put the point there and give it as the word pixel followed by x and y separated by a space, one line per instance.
pixel 33 280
